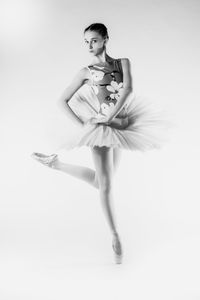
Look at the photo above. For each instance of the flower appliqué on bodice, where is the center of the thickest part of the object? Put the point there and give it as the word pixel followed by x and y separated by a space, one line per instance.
pixel 107 86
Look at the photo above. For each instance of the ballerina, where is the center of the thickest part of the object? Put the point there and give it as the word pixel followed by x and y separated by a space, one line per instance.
pixel 115 121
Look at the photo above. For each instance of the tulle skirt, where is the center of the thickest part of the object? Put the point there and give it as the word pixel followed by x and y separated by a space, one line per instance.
pixel 146 129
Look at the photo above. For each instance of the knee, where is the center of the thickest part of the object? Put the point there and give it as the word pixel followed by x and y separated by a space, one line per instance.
pixel 96 181
pixel 106 185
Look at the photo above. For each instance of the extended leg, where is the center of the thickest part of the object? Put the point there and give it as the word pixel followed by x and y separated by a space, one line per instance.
pixel 84 173
pixel 81 172
pixel 87 174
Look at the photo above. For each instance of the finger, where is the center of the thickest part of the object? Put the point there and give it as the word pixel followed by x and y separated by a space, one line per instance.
pixel 103 119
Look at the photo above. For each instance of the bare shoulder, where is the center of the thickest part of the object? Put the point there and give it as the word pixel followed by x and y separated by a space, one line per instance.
pixel 126 63
pixel 127 76
pixel 82 73
pixel 84 70
pixel 77 81
pixel 80 76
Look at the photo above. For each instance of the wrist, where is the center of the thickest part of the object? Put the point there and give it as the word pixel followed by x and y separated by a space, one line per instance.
pixel 109 119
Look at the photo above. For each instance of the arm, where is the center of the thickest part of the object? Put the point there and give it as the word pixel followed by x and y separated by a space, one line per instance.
pixel 69 91
pixel 126 90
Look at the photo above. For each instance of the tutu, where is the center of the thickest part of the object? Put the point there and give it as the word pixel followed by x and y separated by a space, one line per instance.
pixel 146 129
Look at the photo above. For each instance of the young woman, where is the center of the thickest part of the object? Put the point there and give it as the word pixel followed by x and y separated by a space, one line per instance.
pixel 115 121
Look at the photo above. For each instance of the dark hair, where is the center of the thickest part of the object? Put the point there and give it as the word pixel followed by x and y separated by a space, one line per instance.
pixel 98 27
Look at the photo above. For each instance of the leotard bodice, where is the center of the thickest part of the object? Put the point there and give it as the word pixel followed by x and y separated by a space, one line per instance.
pixel 107 84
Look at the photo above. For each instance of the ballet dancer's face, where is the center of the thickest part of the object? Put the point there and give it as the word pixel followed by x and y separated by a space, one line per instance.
pixel 94 42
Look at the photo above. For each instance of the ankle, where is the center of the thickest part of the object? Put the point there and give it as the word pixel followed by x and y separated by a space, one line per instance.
pixel 56 164
pixel 115 234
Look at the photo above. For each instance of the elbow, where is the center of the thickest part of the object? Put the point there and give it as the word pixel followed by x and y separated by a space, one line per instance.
pixel 62 101
pixel 128 89
pixel 128 92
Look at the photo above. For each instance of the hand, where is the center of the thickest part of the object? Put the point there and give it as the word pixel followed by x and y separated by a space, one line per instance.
pixel 99 119
pixel 102 119
pixel 119 123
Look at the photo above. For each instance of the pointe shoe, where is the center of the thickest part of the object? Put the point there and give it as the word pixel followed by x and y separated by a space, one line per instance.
pixel 46 160
pixel 117 247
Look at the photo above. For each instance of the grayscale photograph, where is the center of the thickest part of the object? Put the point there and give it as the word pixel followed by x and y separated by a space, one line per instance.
pixel 100 143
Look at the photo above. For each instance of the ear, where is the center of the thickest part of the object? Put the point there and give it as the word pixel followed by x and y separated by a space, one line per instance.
pixel 105 40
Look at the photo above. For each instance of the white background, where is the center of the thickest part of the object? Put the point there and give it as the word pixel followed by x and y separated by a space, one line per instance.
pixel 55 242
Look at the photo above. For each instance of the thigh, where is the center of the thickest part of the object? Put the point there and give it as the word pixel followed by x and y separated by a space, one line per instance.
pixel 103 161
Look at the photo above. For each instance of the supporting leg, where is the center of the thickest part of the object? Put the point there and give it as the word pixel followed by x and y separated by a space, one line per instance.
pixel 117 152
pixel 103 160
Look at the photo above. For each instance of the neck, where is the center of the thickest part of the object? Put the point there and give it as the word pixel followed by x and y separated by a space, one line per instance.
pixel 102 58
